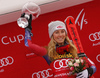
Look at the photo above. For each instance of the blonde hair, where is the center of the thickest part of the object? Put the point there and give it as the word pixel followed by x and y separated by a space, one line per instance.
pixel 52 51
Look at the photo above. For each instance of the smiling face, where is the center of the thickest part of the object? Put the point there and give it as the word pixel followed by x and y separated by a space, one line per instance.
pixel 59 36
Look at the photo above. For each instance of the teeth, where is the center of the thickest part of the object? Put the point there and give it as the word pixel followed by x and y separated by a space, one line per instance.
pixel 60 38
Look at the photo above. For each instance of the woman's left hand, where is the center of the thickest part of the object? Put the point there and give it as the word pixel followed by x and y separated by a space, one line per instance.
pixel 83 74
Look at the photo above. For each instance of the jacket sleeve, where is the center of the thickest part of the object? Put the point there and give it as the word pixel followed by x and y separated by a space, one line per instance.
pixel 92 67
pixel 38 50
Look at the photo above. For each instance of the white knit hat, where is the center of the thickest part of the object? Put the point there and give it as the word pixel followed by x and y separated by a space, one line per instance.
pixel 56 25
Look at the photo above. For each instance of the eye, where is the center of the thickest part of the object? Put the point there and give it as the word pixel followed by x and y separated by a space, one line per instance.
pixel 56 32
pixel 62 31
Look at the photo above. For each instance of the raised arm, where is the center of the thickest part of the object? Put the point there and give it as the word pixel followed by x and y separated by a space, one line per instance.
pixel 31 46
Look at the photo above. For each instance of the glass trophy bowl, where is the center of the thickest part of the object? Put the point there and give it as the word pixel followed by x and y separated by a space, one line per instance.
pixel 29 8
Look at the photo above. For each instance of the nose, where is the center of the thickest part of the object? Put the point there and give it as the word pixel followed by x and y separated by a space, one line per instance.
pixel 60 34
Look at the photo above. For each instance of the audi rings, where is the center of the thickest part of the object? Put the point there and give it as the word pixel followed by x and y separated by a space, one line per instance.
pixel 94 36
pixel 6 61
pixel 43 74
pixel 97 57
pixel 63 63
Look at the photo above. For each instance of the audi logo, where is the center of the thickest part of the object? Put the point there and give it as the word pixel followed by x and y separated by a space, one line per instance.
pixel 42 74
pixel 63 63
pixel 94 36
pixel 6 61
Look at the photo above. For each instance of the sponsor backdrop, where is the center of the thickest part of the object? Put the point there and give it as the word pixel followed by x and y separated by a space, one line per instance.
pixel 17 62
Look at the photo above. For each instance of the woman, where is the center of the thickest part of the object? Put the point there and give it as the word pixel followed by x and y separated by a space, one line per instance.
pixel 60 50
